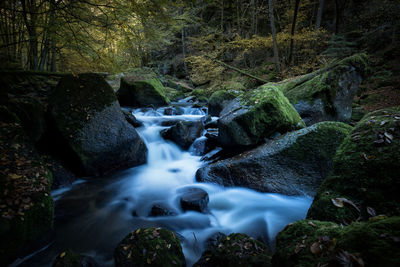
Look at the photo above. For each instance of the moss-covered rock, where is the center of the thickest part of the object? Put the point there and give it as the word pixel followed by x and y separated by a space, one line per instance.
pixel 26 207
pixel 328 93
pixel 87 115
pixel 365 172
pixel 149 247
pixel 293 164
pixel 219 99
pixel 236 250
pixel 315 243
pixel 71 259
pixel 142 93
pixel 256 115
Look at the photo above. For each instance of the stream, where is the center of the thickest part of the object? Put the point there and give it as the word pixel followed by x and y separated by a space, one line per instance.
pixel 94 215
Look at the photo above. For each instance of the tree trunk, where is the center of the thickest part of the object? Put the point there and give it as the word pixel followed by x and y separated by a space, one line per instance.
pixel 319 16
pixel 296 9
pixel 31 28
pixel 222 16
pixel 337 16
pixel 184 52
pixel 271 18
pixel 253 17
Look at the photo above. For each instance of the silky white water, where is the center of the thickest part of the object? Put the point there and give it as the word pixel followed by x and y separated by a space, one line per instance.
pixel 94 216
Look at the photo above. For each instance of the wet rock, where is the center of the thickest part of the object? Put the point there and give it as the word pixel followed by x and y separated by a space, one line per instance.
pixel 212 242
pixel 159 210
pixel 211 124
pixel 294 164
pixel 149 246
pixel 236 250
pixel 184 133
pixel 131 119
pixel 170 111
pixel 195 199
pixel 313 243
pixel 202 146
pixel 219 100
pixel 88 117
pixel 71 259
pixel 256 115
pixel 327 94
pixel 365 172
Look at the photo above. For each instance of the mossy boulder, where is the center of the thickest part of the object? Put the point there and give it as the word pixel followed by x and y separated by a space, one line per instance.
pixel 328 93
pixel 26 207
pixel 315 243
pixel 88 117
pixel 236 250
pixel 256 115
pixel 219 100
pixel 71 259
pixel 294 164
pixel 142 93
pixel 365 172
pixel 149 247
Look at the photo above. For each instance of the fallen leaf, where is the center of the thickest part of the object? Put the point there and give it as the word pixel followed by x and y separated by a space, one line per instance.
pixel 62 255
pixel 312 224
pixel 371 211
pixel 148 261
pixel 338 202
pixel 14 176
pixel 316 248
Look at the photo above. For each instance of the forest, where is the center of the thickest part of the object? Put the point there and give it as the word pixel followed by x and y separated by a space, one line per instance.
pixel 199 133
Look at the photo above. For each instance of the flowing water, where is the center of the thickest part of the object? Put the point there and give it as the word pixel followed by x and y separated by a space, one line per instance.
pixel 94 215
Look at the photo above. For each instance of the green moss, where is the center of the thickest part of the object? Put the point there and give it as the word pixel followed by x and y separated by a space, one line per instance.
pixel 372 241
pixel 150 246
pixel 365 171
pixel 222 95
pixel 200 94
pixel 236 250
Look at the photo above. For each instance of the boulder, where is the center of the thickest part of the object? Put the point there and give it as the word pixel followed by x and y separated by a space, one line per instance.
pixel 88 117
pixel 70 259
pixel 236 250
pixel 315 243
pixel 258 114
pixel 142 93
pixel 294 164
pixel 26 206
pixel 328 93
pixel 149 247
pixel 219 100
pixel 160 210
pixel 184 133
pixel 131 119
pixel 195 199
pixel 365 175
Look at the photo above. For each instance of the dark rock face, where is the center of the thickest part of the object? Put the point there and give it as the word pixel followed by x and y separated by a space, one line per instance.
pixel 247 120
pixel 87 115
pixel 365 172
pixel 294 164
pixel 150 246
pixel 71 259
pixel 160 210
pixel 236 250
pixel 219 100
pixel 142 93
pixel 132 119
pixel 195 199
pixel 327 94
pixel 184 133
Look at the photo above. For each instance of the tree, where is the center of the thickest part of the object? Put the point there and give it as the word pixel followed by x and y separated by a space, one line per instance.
pixel 296 9
pixel 319 16
pixel 271 18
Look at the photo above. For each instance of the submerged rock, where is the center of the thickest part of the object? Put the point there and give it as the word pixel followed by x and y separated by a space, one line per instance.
pixel 256 115
pixel 365 175
pixel 160 210
pixel 294 164
pixel 328 93
pixel 236 250
pixel 195 199
pixel 149 247
pixel 219 100
pixel 184 133
pixel 142 93
pixel 315 243
pixel 87 115
pixel 26 206
pixel 71 259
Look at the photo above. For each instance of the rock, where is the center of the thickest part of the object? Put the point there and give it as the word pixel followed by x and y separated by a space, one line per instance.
pixel 87 115
pixel 26 206
pixel 180 86
pixel 365 172
pixel 294 164
pixel 149 246
pixel 213 241
pixel 141 93
pixel 258 114
pixel 219 100
pixel 131 119
pixel 71 259
pixel 236 250
pixel 159 210
pixel 169 111
pixel 313 243
pixel 195 199
pixel 327 94
pixel 184 133
pixel 202 146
